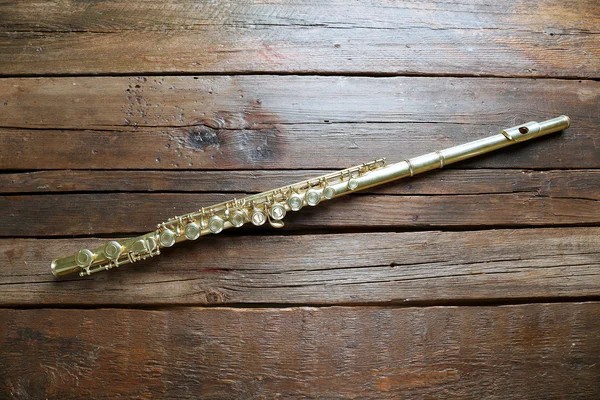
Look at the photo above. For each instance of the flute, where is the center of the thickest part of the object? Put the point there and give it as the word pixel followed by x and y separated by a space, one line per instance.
pixel 273 205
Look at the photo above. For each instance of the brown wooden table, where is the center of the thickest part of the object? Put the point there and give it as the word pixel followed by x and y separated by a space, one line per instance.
pixel 479 281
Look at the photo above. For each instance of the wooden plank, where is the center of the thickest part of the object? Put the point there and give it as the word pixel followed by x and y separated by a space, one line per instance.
pixel 575 183
pixel 336 146
pixel 282 122
pixel 116 213
pixel 526 351
pixel 548 38
pixel 394 268
pixel 250 102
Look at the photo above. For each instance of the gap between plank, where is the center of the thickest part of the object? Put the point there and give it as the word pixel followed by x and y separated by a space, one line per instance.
pixel 490 302
pixel 372 74
pixel 266 233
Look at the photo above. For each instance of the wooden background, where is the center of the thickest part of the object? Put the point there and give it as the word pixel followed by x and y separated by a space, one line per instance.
pixel 479 281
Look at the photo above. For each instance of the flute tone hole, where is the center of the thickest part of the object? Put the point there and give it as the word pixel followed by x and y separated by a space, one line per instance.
pixel 523 129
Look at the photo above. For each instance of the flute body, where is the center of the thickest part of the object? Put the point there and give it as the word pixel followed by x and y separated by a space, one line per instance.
pixel 273 205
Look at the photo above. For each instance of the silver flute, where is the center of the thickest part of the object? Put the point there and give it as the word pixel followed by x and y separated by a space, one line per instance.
pixel 273 205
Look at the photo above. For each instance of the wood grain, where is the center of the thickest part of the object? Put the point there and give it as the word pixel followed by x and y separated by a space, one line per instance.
pixel 390 268
pixel 545 38
pixel 557 183
pixel 115 115
pixel 117 213
pixel 253 122
pixel 510 352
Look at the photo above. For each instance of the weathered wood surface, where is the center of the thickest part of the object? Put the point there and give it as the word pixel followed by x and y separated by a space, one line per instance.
pixel 116 213
pixel 112 155
pixel 391 268
pixel 556 183
pixel 254 122
pixel 522 38
pixel 509 352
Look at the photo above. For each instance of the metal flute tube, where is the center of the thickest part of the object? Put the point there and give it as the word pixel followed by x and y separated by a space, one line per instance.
pixel 439 159
pixel 273 205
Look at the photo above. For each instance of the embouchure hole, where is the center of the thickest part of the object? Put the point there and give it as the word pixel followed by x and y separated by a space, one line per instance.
pixel 523 129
